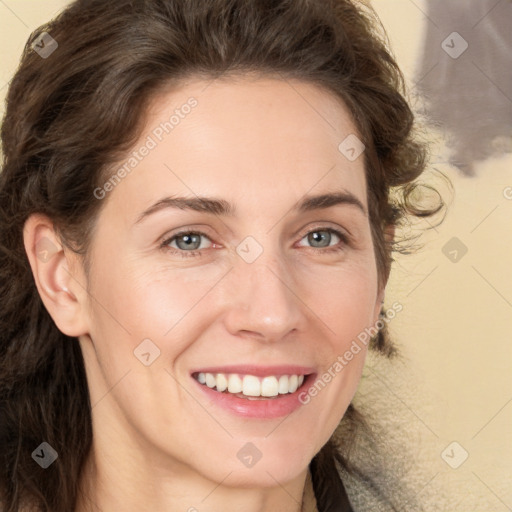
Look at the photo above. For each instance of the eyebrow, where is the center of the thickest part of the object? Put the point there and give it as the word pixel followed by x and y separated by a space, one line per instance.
pixel 217 206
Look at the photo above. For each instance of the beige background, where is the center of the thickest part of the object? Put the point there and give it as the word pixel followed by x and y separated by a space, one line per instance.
pixel 455 328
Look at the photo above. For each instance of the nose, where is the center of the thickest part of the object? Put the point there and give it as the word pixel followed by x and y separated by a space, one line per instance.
pixel 263 301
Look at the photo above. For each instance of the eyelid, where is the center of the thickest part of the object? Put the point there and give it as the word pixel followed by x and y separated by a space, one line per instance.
pixel 325 225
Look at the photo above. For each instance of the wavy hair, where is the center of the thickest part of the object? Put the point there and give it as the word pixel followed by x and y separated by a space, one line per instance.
pixel 70 116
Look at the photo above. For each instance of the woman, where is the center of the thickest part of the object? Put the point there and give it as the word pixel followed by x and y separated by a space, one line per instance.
pixel 197 227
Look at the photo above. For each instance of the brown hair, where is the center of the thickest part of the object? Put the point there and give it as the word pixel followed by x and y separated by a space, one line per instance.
pixel 71 116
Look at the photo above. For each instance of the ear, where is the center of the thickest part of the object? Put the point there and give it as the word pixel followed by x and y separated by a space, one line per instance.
pixel 389 236
pixel 58 275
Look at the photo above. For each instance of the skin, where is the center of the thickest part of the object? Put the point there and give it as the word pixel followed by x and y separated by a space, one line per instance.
pixel 159 443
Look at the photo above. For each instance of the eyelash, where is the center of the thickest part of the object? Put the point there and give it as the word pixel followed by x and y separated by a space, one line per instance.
pixel 187 254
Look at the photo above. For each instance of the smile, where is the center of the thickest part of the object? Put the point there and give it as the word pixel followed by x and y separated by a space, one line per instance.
pixel 251 386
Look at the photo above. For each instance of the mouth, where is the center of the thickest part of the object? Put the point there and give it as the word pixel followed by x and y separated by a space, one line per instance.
pixel 252 387
pixel 257 392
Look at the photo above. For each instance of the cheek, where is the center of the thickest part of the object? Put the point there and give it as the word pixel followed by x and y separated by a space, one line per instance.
pixel 140 298
pixel 344 299
pixel 167 307
pixel 345 307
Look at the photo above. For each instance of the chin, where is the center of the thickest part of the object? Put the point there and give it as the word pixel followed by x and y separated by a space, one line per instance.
pixel 252 467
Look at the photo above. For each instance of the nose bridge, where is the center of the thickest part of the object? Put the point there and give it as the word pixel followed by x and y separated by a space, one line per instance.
pixel 263 299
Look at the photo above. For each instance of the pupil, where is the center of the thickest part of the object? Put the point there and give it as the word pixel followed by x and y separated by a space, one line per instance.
pixel 189 239
pixel 318 236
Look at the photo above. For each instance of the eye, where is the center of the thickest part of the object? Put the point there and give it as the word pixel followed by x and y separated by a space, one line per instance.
pixel 188 243
pixel 320 238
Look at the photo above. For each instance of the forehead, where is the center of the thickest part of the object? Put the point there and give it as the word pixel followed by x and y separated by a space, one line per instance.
pixel 267 139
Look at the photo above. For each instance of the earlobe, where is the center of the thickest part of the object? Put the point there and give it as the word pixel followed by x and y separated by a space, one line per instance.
pixel 53 268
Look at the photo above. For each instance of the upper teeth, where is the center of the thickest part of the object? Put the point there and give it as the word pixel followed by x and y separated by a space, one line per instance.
pixel 251 385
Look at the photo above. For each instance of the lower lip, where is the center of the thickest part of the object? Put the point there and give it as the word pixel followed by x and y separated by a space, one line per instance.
pixel 263 409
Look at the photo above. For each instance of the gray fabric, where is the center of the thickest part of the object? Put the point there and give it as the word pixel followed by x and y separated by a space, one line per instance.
pixel 469 96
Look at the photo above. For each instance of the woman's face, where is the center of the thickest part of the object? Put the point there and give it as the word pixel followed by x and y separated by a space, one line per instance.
pixel 266 290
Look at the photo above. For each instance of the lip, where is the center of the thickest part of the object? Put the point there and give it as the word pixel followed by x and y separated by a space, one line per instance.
pixel 258 371
pixel 263 408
